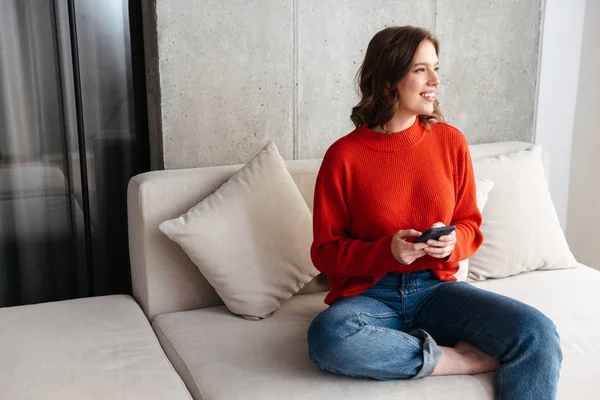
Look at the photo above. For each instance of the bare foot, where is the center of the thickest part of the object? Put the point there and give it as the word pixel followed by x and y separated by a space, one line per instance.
pixel 464 359
pixel 484 362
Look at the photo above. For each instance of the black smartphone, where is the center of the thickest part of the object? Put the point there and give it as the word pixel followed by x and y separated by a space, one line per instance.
pixel 435 233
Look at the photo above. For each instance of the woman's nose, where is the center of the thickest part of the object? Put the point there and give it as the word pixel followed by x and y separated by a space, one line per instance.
pixel 434 79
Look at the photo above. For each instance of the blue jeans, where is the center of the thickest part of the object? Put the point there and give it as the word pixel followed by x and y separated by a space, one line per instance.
pixel 392 331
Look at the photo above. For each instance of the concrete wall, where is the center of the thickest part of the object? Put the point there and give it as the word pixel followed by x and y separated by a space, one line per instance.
pixel 583 226
pixel 226 77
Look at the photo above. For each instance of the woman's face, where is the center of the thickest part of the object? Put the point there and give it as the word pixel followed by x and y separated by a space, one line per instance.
pixel 417 89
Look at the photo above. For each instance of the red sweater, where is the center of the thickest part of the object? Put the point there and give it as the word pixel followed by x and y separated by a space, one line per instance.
pixel 370 185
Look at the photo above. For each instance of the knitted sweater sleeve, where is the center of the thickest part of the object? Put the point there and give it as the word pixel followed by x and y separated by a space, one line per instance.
pixel 467 216
pixel 334 252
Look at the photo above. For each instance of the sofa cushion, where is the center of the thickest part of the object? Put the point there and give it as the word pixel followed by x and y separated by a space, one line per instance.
pixel 483 188
pixel 93 348
pixel 520 226
pixel 223 357
pixel 251 238
pixel 571 299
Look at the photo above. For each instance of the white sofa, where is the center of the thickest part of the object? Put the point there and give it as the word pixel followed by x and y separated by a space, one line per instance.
pixel 104 347
pixel 92 348
pixel 220 355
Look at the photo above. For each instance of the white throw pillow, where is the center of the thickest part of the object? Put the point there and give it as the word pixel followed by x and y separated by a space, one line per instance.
pixel 482 190
pixel 251 238
pixel 520 226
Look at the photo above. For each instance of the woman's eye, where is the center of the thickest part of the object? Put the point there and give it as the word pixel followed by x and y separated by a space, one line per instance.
pixel 436 69
pixel 420 70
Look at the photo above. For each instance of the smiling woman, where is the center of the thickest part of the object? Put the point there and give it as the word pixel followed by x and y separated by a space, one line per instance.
pixel 396 310
pixel 417 90
pixel 389 59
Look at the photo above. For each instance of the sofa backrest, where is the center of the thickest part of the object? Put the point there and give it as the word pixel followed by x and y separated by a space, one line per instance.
pixel 163 277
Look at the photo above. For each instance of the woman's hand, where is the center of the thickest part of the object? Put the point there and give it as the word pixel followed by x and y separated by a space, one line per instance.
pixel 405 252
pixel 442 247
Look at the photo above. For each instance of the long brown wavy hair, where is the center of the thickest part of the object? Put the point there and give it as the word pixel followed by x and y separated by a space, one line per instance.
pixel 389 58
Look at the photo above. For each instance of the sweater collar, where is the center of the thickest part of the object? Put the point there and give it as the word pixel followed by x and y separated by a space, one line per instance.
pixel 394 141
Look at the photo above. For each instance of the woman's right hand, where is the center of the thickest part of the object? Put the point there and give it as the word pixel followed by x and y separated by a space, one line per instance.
pixel 405 252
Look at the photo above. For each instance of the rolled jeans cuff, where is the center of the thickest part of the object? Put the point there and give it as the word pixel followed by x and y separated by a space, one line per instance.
pixel 431 353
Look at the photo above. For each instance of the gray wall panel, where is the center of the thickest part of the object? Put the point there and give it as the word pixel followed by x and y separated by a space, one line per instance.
pixel 488 66
pixel 234 75
pixel 332 41
pixel 226 79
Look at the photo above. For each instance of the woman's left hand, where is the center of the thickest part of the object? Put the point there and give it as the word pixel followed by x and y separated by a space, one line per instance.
pixel 442 247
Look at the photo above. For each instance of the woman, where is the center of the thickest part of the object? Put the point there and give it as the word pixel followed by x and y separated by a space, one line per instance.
pixel 396 310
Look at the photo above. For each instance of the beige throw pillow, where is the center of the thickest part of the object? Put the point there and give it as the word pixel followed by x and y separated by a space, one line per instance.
pixel 482 189
pixel 520 226
pixel 251 238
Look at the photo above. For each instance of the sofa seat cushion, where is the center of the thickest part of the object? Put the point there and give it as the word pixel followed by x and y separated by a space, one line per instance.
pixel 92 348
pixel 571 298
pixel 222 356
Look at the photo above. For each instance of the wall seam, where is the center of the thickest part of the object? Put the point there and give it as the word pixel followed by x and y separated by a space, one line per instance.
pixel 295 67
pixel 433 15
pixel 539 71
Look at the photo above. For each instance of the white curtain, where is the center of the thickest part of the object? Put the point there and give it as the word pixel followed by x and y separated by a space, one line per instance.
pixel 19 125
pixel 36 226
pixel 42 247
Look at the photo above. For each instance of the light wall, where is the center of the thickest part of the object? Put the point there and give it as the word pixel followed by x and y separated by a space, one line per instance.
pixel 583 223
pixel 224 78
pixel 557 97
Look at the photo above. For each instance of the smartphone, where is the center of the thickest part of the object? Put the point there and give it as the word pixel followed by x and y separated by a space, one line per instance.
pixel 435 233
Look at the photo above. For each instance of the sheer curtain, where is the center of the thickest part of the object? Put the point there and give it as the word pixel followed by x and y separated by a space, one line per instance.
pixel 38 227
pixel 63 173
